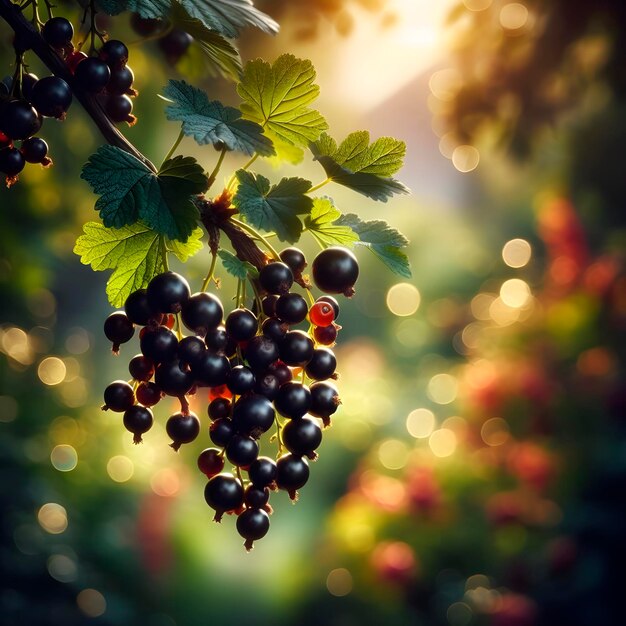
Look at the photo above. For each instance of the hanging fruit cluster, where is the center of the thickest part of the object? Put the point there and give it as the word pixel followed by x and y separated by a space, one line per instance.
pixel 258 370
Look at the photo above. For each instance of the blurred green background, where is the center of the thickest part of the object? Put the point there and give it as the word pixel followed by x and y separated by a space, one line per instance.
pixel 476 471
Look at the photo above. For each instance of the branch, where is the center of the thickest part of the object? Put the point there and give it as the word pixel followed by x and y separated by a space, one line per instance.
pixel 29 38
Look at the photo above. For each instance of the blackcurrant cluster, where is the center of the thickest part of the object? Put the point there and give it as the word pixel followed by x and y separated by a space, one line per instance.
pixel 260 372
pixel 173 42
pixel 26 99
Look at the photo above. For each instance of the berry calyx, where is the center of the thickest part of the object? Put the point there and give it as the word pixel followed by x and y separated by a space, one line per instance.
pixel 335 270
pixel 51 96
pixel 138 420
pixel 182 429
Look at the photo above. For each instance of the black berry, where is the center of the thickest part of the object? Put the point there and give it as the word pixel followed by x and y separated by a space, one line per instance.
pixel 256 497
pixel 218 341
pixel 268 305
pixel 222 431
pixel 326 335
pixel 190 350
pixel 51 96
pixel 252 525
pixel 141 368
pixel 168 292
pixel 121 82
pixel 211 369
pixel 335 270
pixel 262 472
pixel 58 32
pixel 182 429
pixel 202 312
pixel 322 365
pixel 148 394
pixel 138 420
pixel 219 408
pixel 293 400
pixel 12 161
pixel 253 415
pixel 119 109
pixel 211 462
pixel 118 396
pixel 173 378
pixel 291 308
pixel 295 259
pixel 19 120
pixel 296 349
pixel 267 385
pixel 138 308
pixel 292 473
pixel 240 380
pixel 159 344
pixel 175 44
pixel 276 278
pixel 274 329
pixel 260 352
pixel 223 493
pixel 241 324
pixel 302 437
pixel 242 450
pixel 34 150
pixel 118 329
pixel 114 53
pixel 92 74
pixel 324 401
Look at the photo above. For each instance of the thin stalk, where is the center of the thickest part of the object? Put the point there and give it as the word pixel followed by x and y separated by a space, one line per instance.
pixel 164 253
pixel 174 147
pixel 231 182
pixel 316 187
pixel 251 231
pixel 209 276
pixel 216 169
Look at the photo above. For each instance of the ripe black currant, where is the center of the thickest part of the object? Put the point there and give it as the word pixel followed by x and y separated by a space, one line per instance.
pixel 34 150
pixel 322 365
pixel 202 312
pixel 211 369
pixel 241 324
pixel 262 472
pixel 296 349
pixel 168 292
pixel 293 400
pixel 222 431
pixel 12 162
pixel 138 420
pixel 252 525
pixel 268 305
pixel 114 53
pixel 19 120
pixel 182 429
pixel 138 308
pixel 260 352
pixel 141 368
pixel 292 473
pixel 253 415
pixel 281 371
pixel 256 497
pixel 267 385
pixel 240 380
pixel 159 344
pixel 119 109
pixel 121 82
pixel 51 96
pixel 190 350
pixel 326 335
pixel 274 329
pixel 118 396
pixel 218 341
pixel 148 394
pixel 276 278
pixel 175 44
pixel 219 408
pixel 173 378
pixel 302 437
pixel 242 450
pixel 211 462
pixel 335 270
pixel 118 329
pixel 58 32
pixel 324 401
pixel 291 308
pixel 223 493
pixel 294 258
pixel 28 82
pixel 92 74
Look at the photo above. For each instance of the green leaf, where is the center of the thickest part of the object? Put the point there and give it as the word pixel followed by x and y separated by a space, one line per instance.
pixel 235 266
pixel 323 225
pixel 383 240
pixel 145 8
pixel 276 208
pixel 211 122
pixel 384 157
pixel 130 191
pixel 134 253
pixel 277 97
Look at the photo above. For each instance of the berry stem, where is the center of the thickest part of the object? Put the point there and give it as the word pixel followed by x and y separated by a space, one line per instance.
pixel 209 276
pixel 279 438
pixel 316 187
pixel 251 231
pixel 216 169
pixel 174 147
pixel 164 252
pixel 233 178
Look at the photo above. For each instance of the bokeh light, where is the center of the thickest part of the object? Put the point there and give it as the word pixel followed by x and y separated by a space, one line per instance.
pixel 465 158
pixel 91 602
pixel 515 293
pixel 52 518
pixel 393 454
pixel 120 468
pixel 339 582
pixel 403 299
pixel 420 423
pixel 513 16
pixel 51 371
pixel 442 388
pixel 516 253
pixel 64 458
pixel 442 442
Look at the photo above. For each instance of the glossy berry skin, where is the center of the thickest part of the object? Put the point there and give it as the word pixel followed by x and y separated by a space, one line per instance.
pixel 138 420
pixel 175 44
pixel 267 385
pixel 118 396
pixel 324 400
pixel 211 462
pixel 114 53
pixel 260 352
pixel 190 350
pixel 118 329
pixel 148 394
pixel 5 141
pixel 51 96
pixel 28 82
pixel 19 120
pixel 326 335
pixel 291 308
pixel 268 305
pixel 182 429
pixel 302 437
pixel 293 400
pixel 242 450
pixel 321 314
pixel 218 341
pixel 294 259
pixel 335 270
pixel 34 150
pixel 292 473
pixel 159 344
pixel 173 378
pixel 211 369
pixel 141 368
pixel 333 302
pixel 276 278
pixel 58 32
pixel 73 59
pixel 202 312
pixel 92 74
pixel 222 431
pixel 223 493
pixel 12 161
pixel 281 371
pixel 168 292
pixel 296 349
pixel 256 497
pixel 119 109
pixel 253 524
pixel 253 415
pixel 262 472
pixel 138 308
pixel 273 328
pixel 241 324
pixel 240 380
pixel 121 81
pixel 322 365
pixel 219 408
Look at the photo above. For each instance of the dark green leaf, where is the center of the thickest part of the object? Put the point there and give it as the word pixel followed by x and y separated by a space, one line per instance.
pixel 236 267
pixel 273 209
pixel 394 258
pixel 211 122
pixel 374 231
pixel 145 8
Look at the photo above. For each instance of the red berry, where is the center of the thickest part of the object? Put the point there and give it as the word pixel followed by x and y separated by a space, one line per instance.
pixel 322 314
